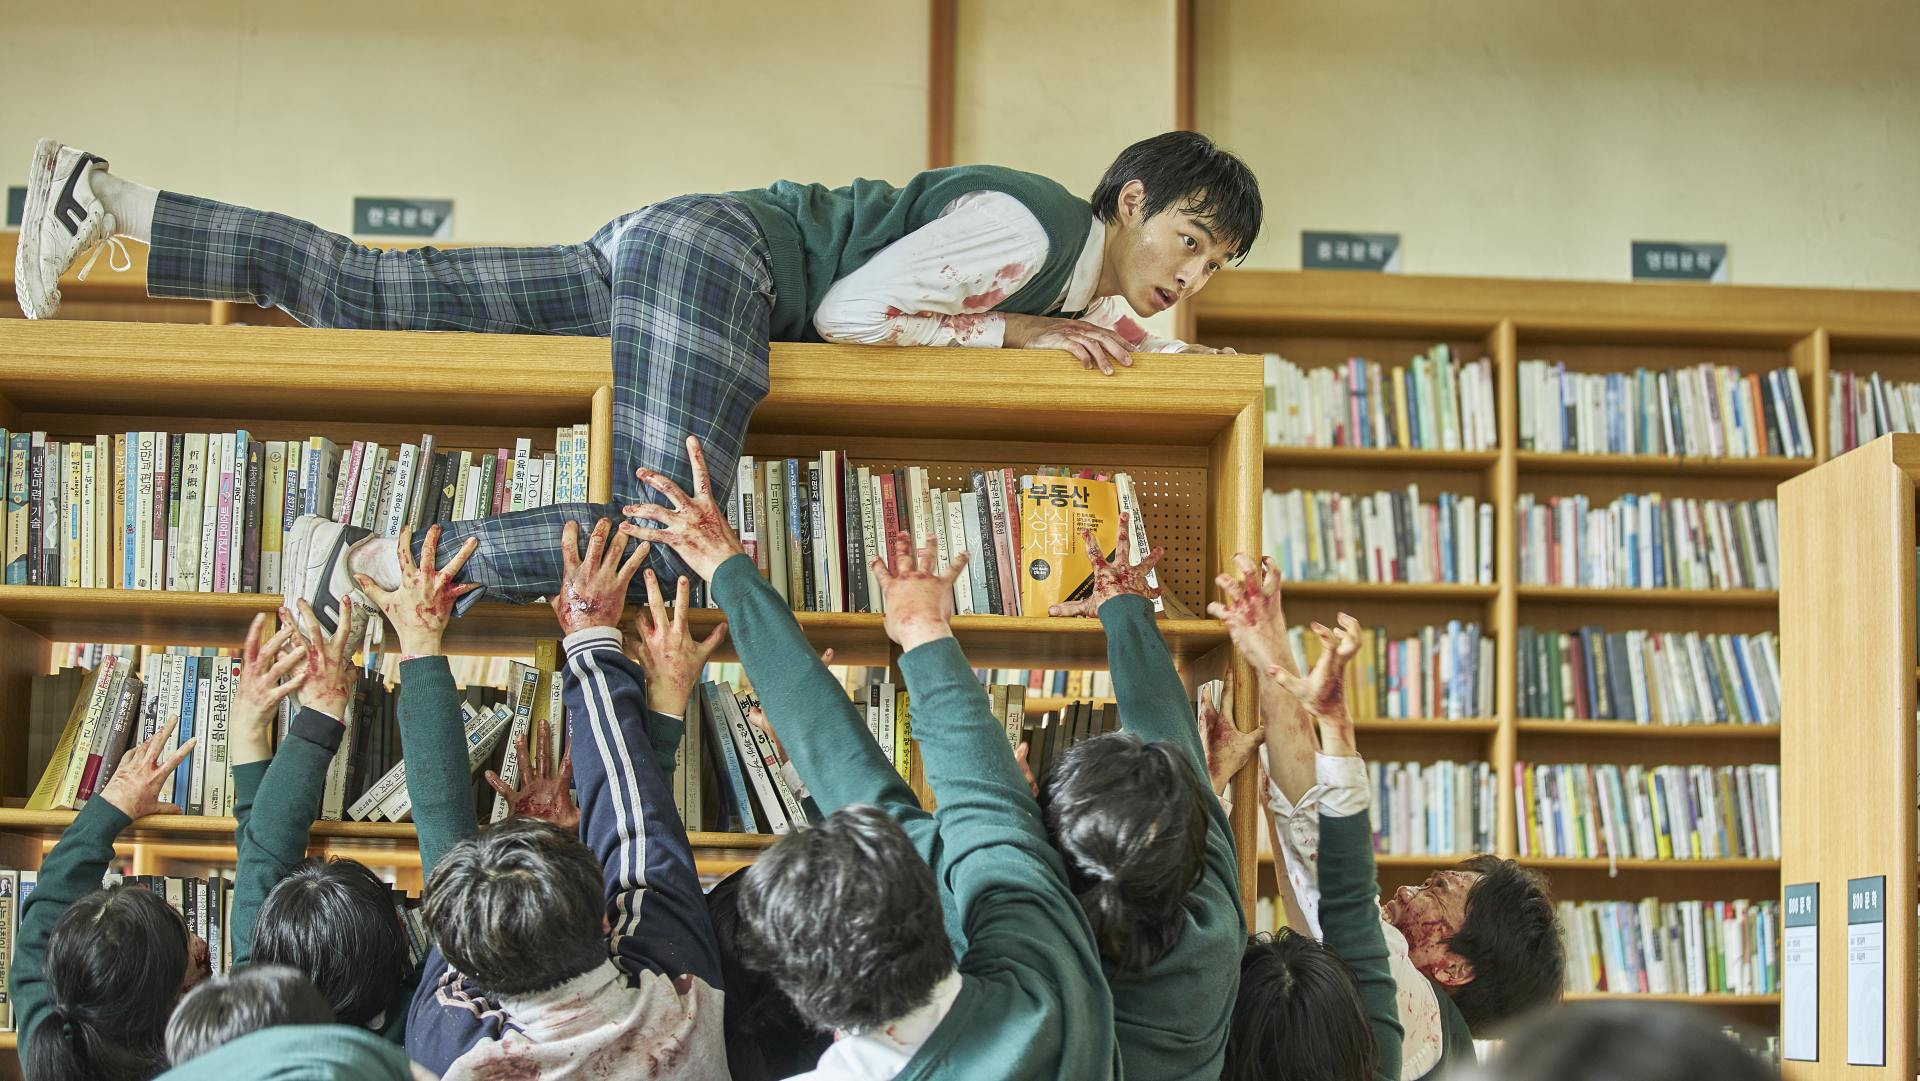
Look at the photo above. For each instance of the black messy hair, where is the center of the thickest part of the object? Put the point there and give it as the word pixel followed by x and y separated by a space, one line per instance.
pixel 1185 171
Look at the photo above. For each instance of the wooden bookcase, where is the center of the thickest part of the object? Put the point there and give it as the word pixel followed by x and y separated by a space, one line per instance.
pixel 1316 319
pixel 1848 612
pixel 1187 428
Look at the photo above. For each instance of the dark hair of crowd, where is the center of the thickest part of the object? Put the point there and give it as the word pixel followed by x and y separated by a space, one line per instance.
pixel 114 965
pixel 335 921
pixel 1130 818
pixel 225 1008
pixel 1298 1015
pixel 1512 939
pixel 1186 172
pixel 845 918
pixel 518 908
pixel 1625 1041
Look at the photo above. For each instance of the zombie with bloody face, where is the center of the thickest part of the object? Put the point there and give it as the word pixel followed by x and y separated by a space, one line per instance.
pixel 1469 948
pixel 690 291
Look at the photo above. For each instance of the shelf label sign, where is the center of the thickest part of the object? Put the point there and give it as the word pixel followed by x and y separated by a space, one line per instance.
pixel 1320 250
pixel 1800 974
pixel 16 206
pixel 1867 971
pixel 431 218
pixel 1669 260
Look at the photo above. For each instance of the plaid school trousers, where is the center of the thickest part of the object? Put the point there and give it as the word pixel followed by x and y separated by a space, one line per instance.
pixel 684 288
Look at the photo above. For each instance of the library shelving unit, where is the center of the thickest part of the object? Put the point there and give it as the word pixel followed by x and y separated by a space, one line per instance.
pixel 1188 429
pixel 1318 319
pixel 1848 611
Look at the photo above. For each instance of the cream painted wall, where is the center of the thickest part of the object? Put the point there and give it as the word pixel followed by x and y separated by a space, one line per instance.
pixel 1515 137
pixel 541 120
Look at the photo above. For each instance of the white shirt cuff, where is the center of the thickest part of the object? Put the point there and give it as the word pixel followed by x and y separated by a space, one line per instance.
pixel 1341 788
pixel 591 636
pixel 794 784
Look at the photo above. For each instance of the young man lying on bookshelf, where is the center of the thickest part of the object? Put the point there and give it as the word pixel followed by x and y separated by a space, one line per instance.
pixel 1165 916
pixel 690 291
pixel 1306 1007
pixel 1472 946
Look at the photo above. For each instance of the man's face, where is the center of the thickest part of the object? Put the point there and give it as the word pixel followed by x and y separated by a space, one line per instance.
pixel 1161 260
pixel 1429 915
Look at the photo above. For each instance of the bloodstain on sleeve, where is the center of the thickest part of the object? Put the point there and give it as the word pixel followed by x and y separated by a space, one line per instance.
pixel 1130 332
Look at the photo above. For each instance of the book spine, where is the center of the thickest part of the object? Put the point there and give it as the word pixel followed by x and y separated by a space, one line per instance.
pixel 250 522
pixel 738 809
pixel 157 535
pixel 527 687
pixel 19 453
pixel 222 502
pixel 176 469
pixel 990 555
pixel 273 502
pixel 518 497
pixel 193 499
pixel 756 769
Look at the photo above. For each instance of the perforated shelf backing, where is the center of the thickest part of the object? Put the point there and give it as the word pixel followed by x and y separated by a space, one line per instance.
pixel 1173 500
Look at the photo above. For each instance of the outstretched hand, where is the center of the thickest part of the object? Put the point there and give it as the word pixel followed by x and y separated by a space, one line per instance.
pixel 664 646
pixel 135 786
pixel 1227 748
pixel 263 666
pixel 593 590
pixel 1322 692
pixel 327 671
pixel 1112 578
pixel 694 526
pixel 420 608
pixel 1253 614
pixel 545 792
pixel 919 596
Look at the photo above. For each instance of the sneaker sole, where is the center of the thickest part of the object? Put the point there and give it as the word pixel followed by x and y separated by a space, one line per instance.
pixel 26 260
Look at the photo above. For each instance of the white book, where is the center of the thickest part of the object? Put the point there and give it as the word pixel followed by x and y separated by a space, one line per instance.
pixel 333 797
pixel 832 516
pixel 796 814
pixel 517 496
pixel 763 526
pixel 215 796
pixel 365 482
pixel 545 468
pixel 754 766
pixel 104 540
pixel 743 506
pixel 142 526
pixel 483 733
pixel 524 687
pixel 219 449
pixel 1139 546
pixel 193 469
pixel 89 543
pixel 582 456
pixel 957 545
pixel 870 530
pixel 400 502
pixel 563 461
pixel 941 550
pixel 237 510
pixel 471 509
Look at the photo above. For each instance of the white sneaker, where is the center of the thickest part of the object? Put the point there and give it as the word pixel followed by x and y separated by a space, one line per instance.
pixel 314 569
pixel 63 222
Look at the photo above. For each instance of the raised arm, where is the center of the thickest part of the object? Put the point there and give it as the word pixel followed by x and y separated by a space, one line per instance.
pixel 1349 885
pixel 432 737
pixel 826 738
pixel 285 803
pixel 655 907
pixel 77 863
pixel 672 660
pixel 250 746
pixel 1257 623
pixel 1153 701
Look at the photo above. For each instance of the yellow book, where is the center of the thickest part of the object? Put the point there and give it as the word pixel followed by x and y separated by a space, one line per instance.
pixel 1400 430
pixel 1532 811
pixel 47 792
pixel 1662 838
pixel 1054 567
pixel 546 658
pixel 903 737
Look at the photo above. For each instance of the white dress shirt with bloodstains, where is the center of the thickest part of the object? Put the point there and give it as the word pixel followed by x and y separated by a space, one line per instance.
pixel 1341 788
pixel 938 285
pixel 883 1052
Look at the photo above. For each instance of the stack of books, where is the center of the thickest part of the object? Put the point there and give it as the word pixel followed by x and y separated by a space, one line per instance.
pixel 1706 411
pixel 1672 947
pixel 1864 407
pixel 1435 672
pixel 814 526
pixel 1649 542
pixel 1648 812
pixel 1052 682
pixel 1394 536
pixel 207 512
pixel 1433 402
pixel 1432 808
pixel 1650 677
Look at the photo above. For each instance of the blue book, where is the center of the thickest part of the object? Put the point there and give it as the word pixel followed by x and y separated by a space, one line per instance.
pixel 736 808
pixel 19 453
pixel 189 697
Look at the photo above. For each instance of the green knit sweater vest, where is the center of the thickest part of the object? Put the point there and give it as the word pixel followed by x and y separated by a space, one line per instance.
pixel 818 235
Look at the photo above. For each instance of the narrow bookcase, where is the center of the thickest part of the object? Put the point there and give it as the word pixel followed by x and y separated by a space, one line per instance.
pixel 1187 428
pixel 1849 610
pixel 1320 319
